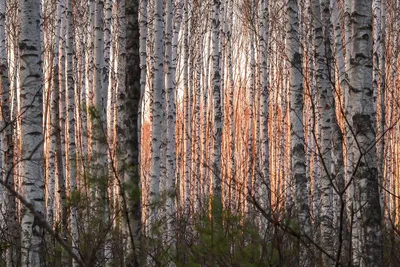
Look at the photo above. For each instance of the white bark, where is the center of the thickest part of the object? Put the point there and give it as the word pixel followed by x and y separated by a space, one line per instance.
pixel 251 92
pixel 325 106
pixel 60 137
pixel 143 70
pixel 100 97
pixel 216 90
pixel 264 186
pixel 391 200
pixel 379 73
pixel 196 163
pixel 187 111
pixel 232 185
pixel 81 115
pixel 89 98
pixel 52 171
pixel 362 119
pixel 71 164
pixel 98 123
pixel 156 113
pixel 170 65
pixel 109 80
pixel 205 108
pixel 7 146
pixel 31 113
pixel 128 124
pixel 338 166
pixel 298 168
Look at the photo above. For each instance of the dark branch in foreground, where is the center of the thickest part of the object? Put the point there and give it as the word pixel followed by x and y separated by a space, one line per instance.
pixel 290 231
pixel 43 222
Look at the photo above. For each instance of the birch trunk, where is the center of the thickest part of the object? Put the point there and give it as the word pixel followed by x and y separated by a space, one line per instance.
pixel 216 90
pixel 205 125
pixel 81 115
pixel 60 134
pixel 187 111
pixel 31 113
pixel 378 91
pixel 380 71
pixel 325 106
pixel 391 181
pixel 7 173
pixel 232 186
pixel 170 66
pixel 298 168
pixel 100 100
pixel 156 114
pixel 362 119
pixel 56 200
pixel 197 126
pixel 338 167
pixel 128 105
pixel 264 186
pixel 143 70
pixel 71 163
pixel 52 172
pixel 250 163
pixel 89 77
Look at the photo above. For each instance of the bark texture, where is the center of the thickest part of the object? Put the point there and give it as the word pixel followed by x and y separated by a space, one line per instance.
pixel 363 126
pixel 31 126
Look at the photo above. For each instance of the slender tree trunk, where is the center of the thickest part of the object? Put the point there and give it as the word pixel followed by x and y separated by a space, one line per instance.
pixel 264 186
pixel 100 102
pixel 232 185
pixel 90 39
pixel 6 139
pixel 71 163
pixel 363 125
pixel 381 101
pixel 170 66
pixel 338 165
pixel 325 106
pixel 187 111
pixel 251 92
pixel 54 98
pixel 215 85
pixel 156 119
pixel 391 199
pixel 298 168
pixel 31 113
pixel 143 71
pixel 128 125
pixel 60 134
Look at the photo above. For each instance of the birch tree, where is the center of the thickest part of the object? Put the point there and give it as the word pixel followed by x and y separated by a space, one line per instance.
pixel 265 186
pixel 217 110
pixel 170 66
pixel 31 116
pixel 337 168
pixel 379 73
pixel 325 106
pixel 298 168
pixel 53 172
pixel 9 208
pixel 232 186
pixel 71 166
pixel 156 112
pixel 128 105
pixel 60 137
pixel 100 102
pixel 250 165
pixel 187 112
pixel 363 125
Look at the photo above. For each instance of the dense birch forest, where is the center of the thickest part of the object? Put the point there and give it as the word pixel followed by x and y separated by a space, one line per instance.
pixel 199 133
